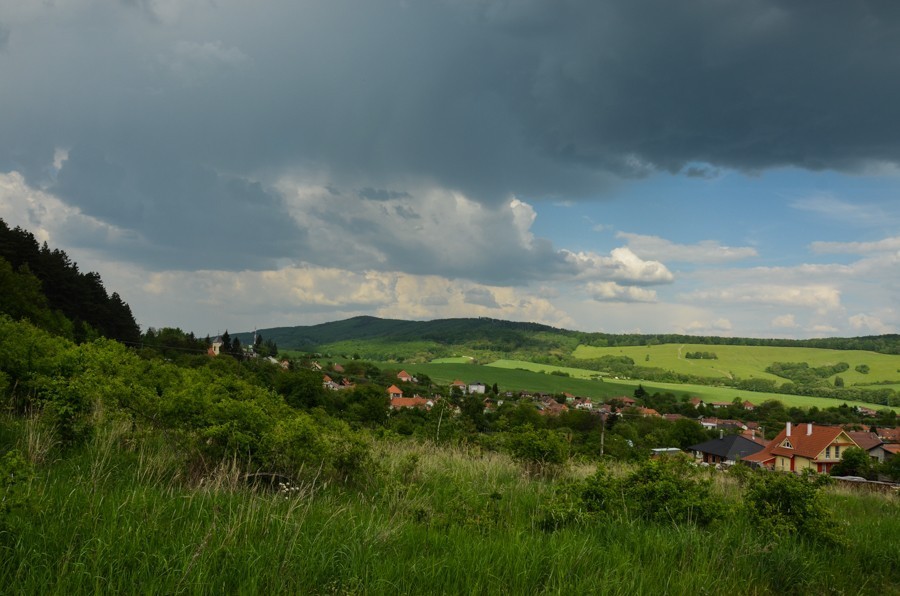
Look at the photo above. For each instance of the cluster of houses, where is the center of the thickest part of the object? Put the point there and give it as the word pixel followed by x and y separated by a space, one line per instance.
pixel 799 447
pixel 796 448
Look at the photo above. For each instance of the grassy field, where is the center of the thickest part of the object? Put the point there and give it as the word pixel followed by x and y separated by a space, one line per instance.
pixel 453 360
pixel 747 362
pixel 513 375
pixel 121 517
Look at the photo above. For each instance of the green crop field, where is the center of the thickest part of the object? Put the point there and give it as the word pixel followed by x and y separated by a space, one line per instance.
pixel 512 375
pixel 746 362
pixel 453 360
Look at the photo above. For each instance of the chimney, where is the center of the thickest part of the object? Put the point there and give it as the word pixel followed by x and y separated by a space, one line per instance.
pixel 808 428
pixel 788 430
pixel 721 434
pixel 753 435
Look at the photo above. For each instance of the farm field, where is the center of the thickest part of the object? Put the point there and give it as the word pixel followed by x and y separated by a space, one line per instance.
pixel 509 376
pixel 747 362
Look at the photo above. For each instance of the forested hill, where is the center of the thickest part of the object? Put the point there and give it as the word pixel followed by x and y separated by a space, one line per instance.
pixel 497 336
pixel 46 287
pixel 443 331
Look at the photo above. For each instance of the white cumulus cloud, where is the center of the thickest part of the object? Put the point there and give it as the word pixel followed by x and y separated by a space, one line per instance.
pixel 705 251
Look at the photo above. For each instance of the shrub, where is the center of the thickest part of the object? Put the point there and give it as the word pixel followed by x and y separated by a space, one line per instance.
pixel 672 490
pixel 302 447
pixel 790 505
pixel 540 450
pixel 15 473
pixel 855 462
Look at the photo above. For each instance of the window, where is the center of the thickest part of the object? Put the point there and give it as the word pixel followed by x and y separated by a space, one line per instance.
pixel 837 452
pixel 828 452
pixel 787 444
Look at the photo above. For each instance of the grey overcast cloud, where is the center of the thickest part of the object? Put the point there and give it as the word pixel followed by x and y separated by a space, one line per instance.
pixel 703 166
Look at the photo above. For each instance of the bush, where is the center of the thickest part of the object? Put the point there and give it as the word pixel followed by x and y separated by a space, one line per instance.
pixel 540 450
pixel 855 462
pixel 672 490
pixel 15 474
pixel 302 447
pixel 790 505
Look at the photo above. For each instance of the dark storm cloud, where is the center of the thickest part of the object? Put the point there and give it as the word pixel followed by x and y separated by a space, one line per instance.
pixel 164 117
pixel 188 216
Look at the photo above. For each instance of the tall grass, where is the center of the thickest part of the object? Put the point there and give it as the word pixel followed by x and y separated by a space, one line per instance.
pixel 120 516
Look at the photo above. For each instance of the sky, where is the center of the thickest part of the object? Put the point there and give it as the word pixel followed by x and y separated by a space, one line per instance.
pixel 710 167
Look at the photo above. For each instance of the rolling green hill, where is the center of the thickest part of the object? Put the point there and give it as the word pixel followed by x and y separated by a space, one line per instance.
pixel 512 375
pixel 751 361
pixel 865 369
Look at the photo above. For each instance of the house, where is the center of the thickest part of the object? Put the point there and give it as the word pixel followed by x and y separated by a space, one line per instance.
pixel 477 387
pixel 749 406
pixel 722 424
pixel 720 404
pixel 415 401
pixel 583 403
pixel 805 447
pixel 215 346
pixel 337 368
pixel 551 407
pixel 624 399
pixel 867 412
pixel 405 377
pixel 869 442
pixel 696 402
pixel 647 413
pixel 394 392
pixel 725 450
pixel 674 417
pixel 709 423
pixel 889 435
pixel 457 384
pixel 754 435
pixel 890 450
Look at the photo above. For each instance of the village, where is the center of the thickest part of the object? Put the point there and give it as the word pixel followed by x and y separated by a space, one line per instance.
pixel 735 436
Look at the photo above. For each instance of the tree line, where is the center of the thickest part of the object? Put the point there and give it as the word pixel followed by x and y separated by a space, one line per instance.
pixel 46 287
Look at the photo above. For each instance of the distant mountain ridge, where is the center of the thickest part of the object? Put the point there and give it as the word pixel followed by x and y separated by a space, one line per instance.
pixel 499 336
pixel 443 331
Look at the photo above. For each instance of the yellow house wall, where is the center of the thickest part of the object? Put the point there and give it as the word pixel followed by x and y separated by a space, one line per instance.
pixel 782 464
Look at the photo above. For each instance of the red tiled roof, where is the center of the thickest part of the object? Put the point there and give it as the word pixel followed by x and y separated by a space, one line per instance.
pixel 865 440
pixel 750 434
pixel 409 402
pixel 891 447
pixel 394 389
pixel 889 435
pixel 805 443
pixel 765 456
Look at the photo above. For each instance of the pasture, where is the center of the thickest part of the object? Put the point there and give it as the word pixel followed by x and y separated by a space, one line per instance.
pixel 748 362
pixel 514 375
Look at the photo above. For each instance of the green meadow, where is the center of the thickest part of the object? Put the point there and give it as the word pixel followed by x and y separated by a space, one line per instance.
pixel 514 375
pixel 121 516
pixel 747 362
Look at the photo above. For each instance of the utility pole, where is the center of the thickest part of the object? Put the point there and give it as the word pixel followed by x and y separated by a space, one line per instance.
pixel 602 431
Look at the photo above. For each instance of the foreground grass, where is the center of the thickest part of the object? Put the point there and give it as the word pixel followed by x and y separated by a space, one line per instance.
pixel 121 517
